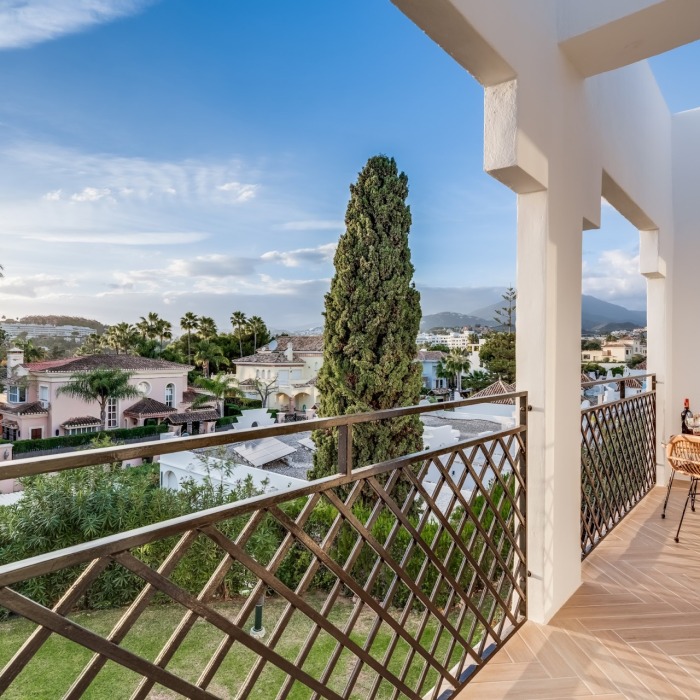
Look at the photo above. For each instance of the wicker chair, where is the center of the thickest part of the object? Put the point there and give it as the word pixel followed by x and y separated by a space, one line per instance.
pixel 683 453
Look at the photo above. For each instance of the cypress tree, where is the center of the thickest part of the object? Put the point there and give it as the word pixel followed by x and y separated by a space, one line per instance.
pixel 372 316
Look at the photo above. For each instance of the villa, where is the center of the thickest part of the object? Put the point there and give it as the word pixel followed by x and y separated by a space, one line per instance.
pixel 33 408
pixel 288 367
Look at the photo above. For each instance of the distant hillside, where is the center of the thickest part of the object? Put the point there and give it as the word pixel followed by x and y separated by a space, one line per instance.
pixel 604 317
pixel 597 316
pixel 64 321
pixel 451 319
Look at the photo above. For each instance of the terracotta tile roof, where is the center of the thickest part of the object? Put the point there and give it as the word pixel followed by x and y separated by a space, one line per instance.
pixel 442 391
pixel 270 358
pixel 430 355
pixel 46 365
pixel 585 378
pixel 300 343
pixel 81 421
pixel 632 383
pixel 90 362
pixel 188 416
pixel 148 407
pixel 496 389
pixel 642 365
pixel 24 409
pixel 7 423
pixel 247 382
pixel 191 395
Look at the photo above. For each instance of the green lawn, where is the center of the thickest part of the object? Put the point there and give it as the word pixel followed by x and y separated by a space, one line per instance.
pixel 59 661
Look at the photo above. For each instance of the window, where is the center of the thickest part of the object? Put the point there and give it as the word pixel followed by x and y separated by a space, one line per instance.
pixel 170 395
pixel 16 394
pixel 82 429
pixel 112 413
pixel 44 396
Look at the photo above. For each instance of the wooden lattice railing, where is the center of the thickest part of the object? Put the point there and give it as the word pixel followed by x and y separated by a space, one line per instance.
pixel 425 553
pixel 618 459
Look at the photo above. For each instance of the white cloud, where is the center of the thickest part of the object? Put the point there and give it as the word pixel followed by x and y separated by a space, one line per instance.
pixel 295 258
pixel 214 265
pixel 27 22
pixel 91 194
pixel 116 238
pixel 238 191
pixel 94 176
pixel 614 276
pixel 31 286
pixel 313 225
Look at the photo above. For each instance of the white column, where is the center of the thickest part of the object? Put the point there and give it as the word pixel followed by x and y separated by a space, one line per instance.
pixel 653 267
pixel 548 367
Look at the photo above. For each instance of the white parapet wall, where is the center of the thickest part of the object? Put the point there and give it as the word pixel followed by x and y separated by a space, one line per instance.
pixel 180 466
pixel 502 414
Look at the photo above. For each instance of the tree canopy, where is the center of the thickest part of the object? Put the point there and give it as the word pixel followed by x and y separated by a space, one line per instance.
pixel 372 316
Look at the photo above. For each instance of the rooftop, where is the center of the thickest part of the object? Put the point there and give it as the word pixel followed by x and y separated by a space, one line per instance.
pixel 133 363
pixel 299 343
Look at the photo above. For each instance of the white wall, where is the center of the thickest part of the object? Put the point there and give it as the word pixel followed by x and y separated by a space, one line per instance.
pixel 180 466
pixel 560 141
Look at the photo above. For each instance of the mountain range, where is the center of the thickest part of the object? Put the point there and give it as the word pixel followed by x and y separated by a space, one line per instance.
pixel 597 316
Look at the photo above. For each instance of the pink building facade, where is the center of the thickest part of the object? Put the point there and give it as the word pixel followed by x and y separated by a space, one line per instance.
pixel 32 407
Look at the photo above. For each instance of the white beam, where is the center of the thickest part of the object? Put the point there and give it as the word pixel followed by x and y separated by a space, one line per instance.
pixel 597 38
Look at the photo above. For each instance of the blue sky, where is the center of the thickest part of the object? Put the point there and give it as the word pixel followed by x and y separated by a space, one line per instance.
pixel 181 156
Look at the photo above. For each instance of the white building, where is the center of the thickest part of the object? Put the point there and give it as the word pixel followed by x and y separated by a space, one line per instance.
pixel 41 330
pixel 573 114
pixel 289 367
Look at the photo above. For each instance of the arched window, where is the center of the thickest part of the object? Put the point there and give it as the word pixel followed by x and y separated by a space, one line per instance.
pixel 170 395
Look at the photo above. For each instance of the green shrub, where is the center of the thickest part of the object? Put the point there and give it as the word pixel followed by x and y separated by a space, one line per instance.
pixel 227 420
pixel 80 505
pixel 22 446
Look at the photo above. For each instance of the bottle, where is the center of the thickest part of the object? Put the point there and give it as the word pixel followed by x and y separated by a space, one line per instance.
pixel 684 415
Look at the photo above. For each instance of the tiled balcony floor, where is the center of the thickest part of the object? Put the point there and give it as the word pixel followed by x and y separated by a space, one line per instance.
pixel 632 630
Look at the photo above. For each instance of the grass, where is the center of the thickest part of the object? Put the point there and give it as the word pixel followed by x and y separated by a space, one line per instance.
pixel 59 661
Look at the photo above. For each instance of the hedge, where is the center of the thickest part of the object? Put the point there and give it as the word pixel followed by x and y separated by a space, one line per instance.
pixel 243 402
pixel 226 420
pixel 21 446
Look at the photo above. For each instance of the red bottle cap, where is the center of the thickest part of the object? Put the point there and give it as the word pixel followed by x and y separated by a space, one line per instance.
pixel 686 403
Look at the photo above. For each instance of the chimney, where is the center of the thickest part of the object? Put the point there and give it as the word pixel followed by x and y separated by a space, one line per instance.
pixel 15 357
pixel 289 353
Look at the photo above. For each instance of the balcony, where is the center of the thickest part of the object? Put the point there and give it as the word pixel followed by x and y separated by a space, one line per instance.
pixel 407 575
pixel 414 582
pixel 632 630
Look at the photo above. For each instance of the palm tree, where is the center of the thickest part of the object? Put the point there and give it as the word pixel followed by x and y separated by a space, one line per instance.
pixel 148 325
pixel 164 329
pixel 189 322
pixel 32 352
pixel 238 321
pixel 92 345
pixel 220 387
pixel 122 337
pixel 256 326
pixel 207 328
pixel 453 365
pixel 100 385
pixel 207 353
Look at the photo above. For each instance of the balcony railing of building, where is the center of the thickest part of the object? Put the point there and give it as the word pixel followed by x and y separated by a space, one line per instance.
pixel 413 578
pixel 618 457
